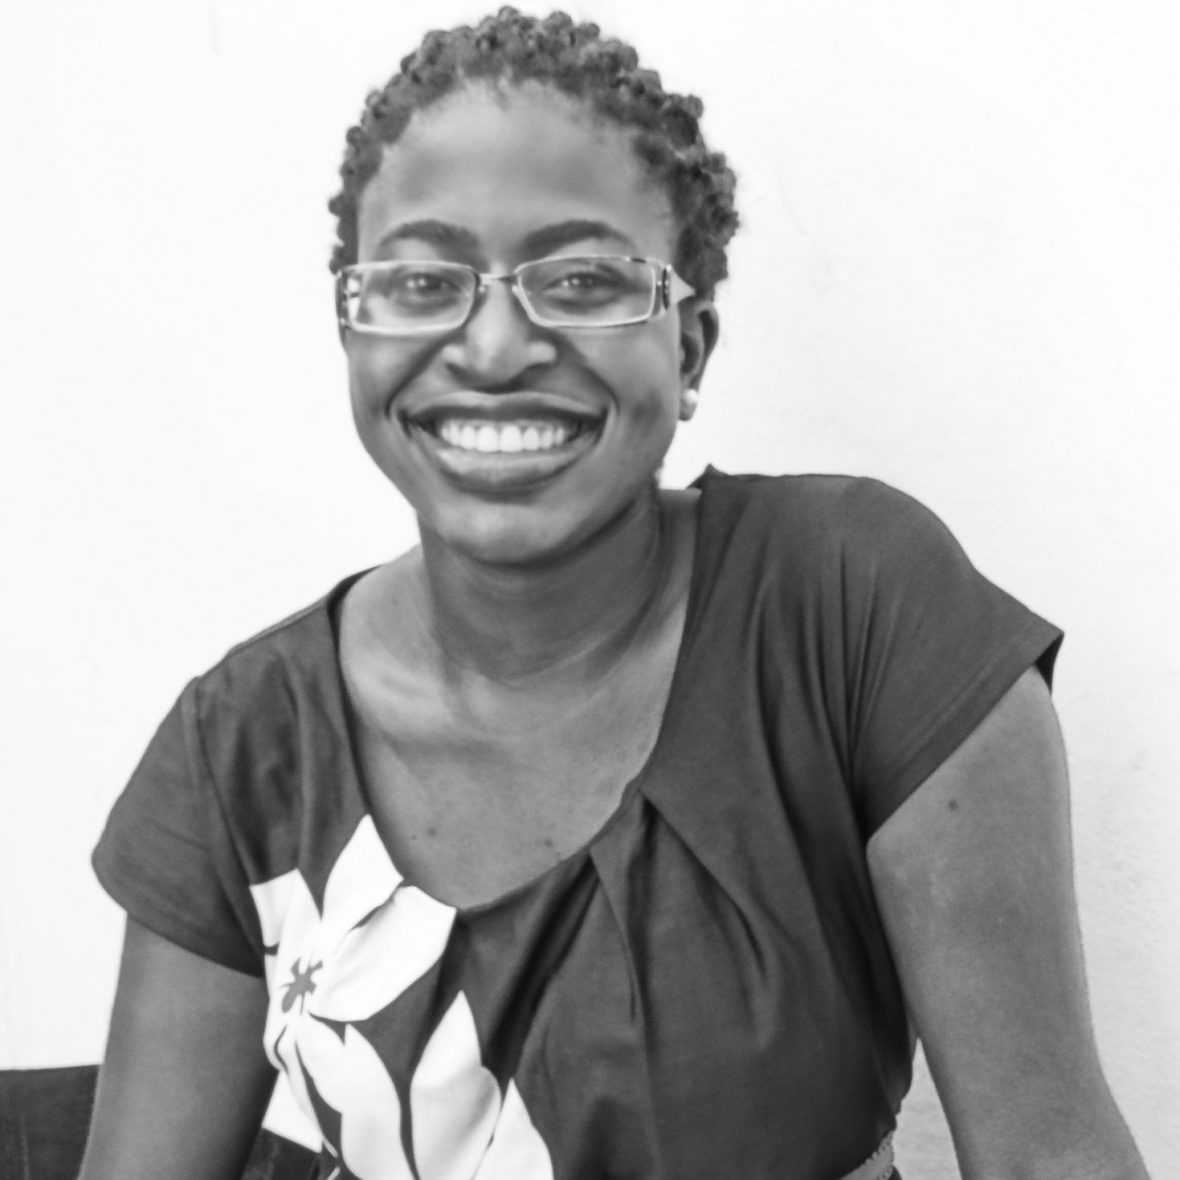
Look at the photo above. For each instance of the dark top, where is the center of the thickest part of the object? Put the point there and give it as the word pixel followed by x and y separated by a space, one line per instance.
pixel 703 990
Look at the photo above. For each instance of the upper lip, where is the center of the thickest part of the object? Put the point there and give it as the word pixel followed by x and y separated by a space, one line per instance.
pixel 497 407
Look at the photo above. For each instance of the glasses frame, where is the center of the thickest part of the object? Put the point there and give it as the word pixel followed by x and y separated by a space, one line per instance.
pixel 668 290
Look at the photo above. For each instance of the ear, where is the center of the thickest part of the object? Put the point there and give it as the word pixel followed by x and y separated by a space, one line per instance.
pixel 699 326
pixel 341 326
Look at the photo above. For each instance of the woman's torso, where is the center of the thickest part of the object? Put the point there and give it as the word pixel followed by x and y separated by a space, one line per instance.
pixel 665 963
pixel 703 986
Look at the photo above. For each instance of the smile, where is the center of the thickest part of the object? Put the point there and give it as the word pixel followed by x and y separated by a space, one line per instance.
pixel 505 438
pixel 510 453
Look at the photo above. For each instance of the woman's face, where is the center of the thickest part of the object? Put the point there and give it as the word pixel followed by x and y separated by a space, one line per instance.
pixel 494 181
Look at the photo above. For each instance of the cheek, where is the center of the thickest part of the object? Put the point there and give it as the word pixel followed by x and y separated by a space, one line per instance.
pixel 377 373
pixel 644 376
pixel 374 376
pixel 371 378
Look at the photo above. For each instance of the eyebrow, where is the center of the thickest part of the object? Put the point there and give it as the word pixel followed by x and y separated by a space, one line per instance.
pixel 536 243
pixel 440 233
pixel 552 237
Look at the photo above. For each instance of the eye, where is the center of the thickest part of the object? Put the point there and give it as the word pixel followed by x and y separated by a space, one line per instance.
pixel 417 285
pixel 583 277
pixel 426 282
pixel 582 282
pixel 586 280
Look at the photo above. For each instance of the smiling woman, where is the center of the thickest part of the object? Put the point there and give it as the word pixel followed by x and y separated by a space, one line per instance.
pixel 614 830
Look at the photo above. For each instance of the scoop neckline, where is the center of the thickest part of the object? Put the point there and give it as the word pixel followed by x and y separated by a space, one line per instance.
pixel 331 612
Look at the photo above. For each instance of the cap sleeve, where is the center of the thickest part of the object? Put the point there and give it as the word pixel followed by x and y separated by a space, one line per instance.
pixel 166 857
pixel 930 645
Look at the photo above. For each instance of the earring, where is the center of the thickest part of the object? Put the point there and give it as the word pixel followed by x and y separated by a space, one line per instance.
pixel 689 400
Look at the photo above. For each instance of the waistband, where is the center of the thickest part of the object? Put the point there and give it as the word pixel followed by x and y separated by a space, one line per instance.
pixel 879 1166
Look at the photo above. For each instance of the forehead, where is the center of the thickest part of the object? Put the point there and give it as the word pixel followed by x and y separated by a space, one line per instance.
pixel 502 166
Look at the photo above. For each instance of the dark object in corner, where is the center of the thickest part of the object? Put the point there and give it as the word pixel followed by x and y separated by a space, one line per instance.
pixel 45 1115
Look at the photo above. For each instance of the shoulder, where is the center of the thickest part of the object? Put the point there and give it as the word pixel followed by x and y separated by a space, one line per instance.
pixel 245 720
pixel 829 495
pixel 253 672
pixel 857 520
pixel 267 736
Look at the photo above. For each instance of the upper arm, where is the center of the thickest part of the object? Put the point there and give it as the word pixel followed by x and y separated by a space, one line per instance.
pixel 974 882
pixel 185 1081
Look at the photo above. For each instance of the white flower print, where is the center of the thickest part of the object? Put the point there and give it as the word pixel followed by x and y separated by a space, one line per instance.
pixel 374 937
pixel 462 1128
pixel 516 1149
pixel 451 1081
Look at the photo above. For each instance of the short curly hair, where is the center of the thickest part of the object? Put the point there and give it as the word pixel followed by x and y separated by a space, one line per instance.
pixel 575 59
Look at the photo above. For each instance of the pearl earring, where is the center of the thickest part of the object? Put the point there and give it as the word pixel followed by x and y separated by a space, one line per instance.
pixel 689 400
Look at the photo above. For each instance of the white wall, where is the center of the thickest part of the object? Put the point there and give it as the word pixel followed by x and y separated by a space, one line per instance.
pixel 959 271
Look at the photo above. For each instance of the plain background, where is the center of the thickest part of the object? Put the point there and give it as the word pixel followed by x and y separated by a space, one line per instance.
pixel 959 271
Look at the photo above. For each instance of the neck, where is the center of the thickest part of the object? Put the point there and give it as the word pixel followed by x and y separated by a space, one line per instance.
pixel 573 617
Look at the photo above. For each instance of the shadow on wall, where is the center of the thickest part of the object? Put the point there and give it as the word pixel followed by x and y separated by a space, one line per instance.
pixel 45 1113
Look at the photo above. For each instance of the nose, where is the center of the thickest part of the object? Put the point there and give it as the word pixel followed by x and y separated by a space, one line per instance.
pixel 499 343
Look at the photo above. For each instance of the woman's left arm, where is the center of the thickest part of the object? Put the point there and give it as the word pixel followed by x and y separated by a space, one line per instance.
pixel 973 877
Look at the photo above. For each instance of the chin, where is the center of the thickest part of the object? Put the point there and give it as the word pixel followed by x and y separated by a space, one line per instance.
pixel 507 535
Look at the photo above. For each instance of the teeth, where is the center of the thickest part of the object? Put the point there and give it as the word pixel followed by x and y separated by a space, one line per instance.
pixel 504 437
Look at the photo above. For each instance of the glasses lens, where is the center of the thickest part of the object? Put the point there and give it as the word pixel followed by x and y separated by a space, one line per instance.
pixel 590 290
pixel 409 296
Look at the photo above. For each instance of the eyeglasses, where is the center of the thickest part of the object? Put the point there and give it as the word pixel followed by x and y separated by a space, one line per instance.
pixel 589 291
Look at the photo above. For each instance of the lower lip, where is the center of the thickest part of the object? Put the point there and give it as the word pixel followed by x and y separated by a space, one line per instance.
pixel 502 471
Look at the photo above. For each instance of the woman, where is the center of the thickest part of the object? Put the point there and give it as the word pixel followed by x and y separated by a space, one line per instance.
pixel 614 831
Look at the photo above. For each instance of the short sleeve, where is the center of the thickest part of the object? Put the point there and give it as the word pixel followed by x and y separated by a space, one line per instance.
pixel 164 855
pixel 930 645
